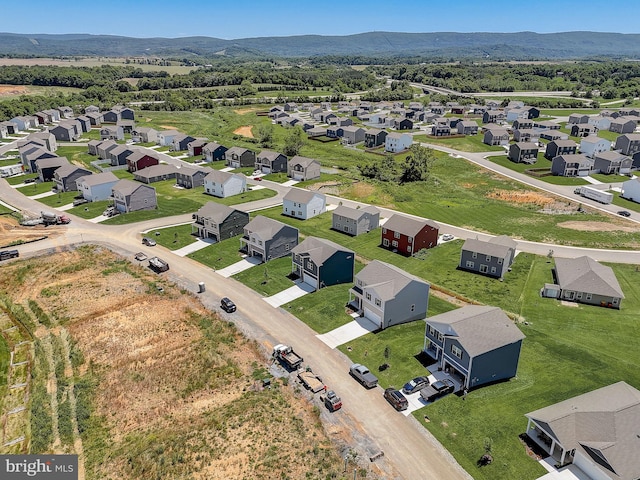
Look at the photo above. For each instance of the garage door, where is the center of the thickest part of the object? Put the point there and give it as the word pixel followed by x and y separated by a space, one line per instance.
pixel 374 317
pixel 309 280
pixel 298 175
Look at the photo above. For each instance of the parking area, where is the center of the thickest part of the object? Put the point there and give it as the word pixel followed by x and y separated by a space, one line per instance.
pixel 416 402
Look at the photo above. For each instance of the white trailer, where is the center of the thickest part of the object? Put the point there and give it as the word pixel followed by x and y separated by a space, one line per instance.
pixel 10 170
pixel 595 194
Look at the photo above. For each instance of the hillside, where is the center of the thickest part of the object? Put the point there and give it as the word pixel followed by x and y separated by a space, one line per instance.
pixel 504 46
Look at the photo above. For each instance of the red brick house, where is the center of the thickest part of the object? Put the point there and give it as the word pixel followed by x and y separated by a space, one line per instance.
pixel 141 159
pixel 406 235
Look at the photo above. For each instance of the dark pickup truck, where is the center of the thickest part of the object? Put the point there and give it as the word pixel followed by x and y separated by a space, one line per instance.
pixel 437 389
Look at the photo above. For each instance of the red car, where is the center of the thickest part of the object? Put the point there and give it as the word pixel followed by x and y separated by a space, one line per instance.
pixel 257 179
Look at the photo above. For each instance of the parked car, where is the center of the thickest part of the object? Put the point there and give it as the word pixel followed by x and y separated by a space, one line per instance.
pixel 437 389
pixel 396 399
pixel 446 237
pixel 415 385
pixel 80 201
pixel 29 180
pixel 140 256
pixel 149 242
pixel 624 213
pixel 227 305
pixel 258 179
pixel 363 375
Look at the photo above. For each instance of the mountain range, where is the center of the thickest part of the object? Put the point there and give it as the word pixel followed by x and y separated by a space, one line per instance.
pixel 497 46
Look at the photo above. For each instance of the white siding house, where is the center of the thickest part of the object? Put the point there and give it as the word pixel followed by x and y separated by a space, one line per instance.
pixel 224 184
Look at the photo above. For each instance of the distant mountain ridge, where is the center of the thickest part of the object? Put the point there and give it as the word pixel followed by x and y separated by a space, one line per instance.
pixel 504 46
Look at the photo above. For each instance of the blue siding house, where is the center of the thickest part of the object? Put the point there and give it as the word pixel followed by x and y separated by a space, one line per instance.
pixel 476 344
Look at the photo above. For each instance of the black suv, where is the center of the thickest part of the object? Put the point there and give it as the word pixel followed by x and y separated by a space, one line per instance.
pixel 227 305
pixel 396 398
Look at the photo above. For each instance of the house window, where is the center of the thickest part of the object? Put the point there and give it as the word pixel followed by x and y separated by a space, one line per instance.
pixel 499 261
pixel 493 269
pixel 378 302
pixel 286 247
pixel 413 307
pixel 384 230
pixel 385 242
pixel 469 264
pixel 409 248
pixel 299 213
pixel 368 296
pixel 483 268
pixel 488 258
pixel 474 255
pixel 396 234
pixel 394 243
pixel 579 295
pixel 440 337
pixel 260 242
pixel 359 283
pixel 410 240
pixel 588 297
pixel 456 351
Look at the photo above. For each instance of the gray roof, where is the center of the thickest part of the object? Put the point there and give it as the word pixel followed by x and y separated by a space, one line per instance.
pixel 98 179
pixel 239 151
pixel 584 274
pixel 126 187
pixel 51 162
pixel 191 171
pixel 355 213
pixel 319 249
pixel 299 195
pixel 137 154
pixel 218 176
pixel 386 279
pixel 605 421
pixel 265 227
pixel 478 328
pixel 68 169
pixel 564 143
pixel 526 145
pixel 215 211
pixel 594 139
pixel 408 225
pixel 496 247
pixel 303 161
pixel 611 155
pixel 269 155
pixel 155 171
pixel 120 149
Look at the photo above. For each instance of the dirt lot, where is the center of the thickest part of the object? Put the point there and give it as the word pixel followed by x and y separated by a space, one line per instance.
pixel 244 131
pixel 12 90
pixel 177 392
pixel 11 230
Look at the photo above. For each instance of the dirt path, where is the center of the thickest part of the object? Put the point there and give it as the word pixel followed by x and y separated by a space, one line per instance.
pixel 245 131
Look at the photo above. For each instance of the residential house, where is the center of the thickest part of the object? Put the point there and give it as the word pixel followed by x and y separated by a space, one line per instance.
pixel 522 124
pixel 583 130
pixel 316 132
pixel 112 116
pixel 66 131
pixel 191 177
pixel 523 152
pixel 467 127
pixel 46 139
pixel 512 114
pixel 477 344
pixel 577 118
pixel 631 190
pixel 628 144
pixel 623 125
pixel 596 431
pixel 181 142
pixel 95 118
pixel 303 168
pixel 492 257
pixel 303 204
pixel 4 131
pixel 576 165
pixel 22 123
pixel 119 154
pixel 67 175
pixel 126 113
pixel 144 135
pixel 352 135
pixel 130 196
pixel 224 184
pixel 388 296
pixel 140 159
pixel 584 280
pixel 546 124
pixel 290 107
pixel 335 132
pixel 268 161
pixel 219 222
pixel 91 109
pixel 402 124
pixel 374 137
pixel 496 136
pixel 268 239
pixel 127 125
pixel 53 115
pixel 397 142
pixel 29 154
pixel 560 147
pixel 593 144
pixel 408 235
pixel 553 135
pixel 612 162
pixel 238 157
pixel 195 148
pixel 355 221
pixel 439 130
pixel 322 263
pixel 85 123
pixel 165 137
pixel 213 151
pixel 104 147
pixel 493 116
pixel 112 132
pixel 600 122
pixel 97 186
pixel 155 173
pixel 526 135
pixel 46 167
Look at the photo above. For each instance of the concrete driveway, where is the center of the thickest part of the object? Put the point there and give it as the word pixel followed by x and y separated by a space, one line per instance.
pixel 570 472
pixel 241 266
pixel 344 334
pixel 415 400
pixel 298 290
pixel 199 244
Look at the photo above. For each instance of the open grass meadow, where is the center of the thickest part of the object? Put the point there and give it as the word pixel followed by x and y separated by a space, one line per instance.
pixel 541 163
pixel 78 155
pixel 468 143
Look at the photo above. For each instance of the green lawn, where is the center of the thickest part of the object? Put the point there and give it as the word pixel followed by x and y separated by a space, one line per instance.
pixel 78 155
pixel 90 210
pixel 59 199
pixel 624 203
pixel 10 161
pixel 469 143
pixel 268 278
pixel 174 238
pixel 609 178
pixel 5 357
pixel 35 188
pixel 219 255
pixel 21 178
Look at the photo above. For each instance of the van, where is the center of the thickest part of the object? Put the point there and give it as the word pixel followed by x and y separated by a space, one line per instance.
pixel 396 399
pixel 227 305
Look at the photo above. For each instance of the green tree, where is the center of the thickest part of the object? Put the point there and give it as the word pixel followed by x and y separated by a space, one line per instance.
pixel 264 135
pixel 417 164
pixel 293 142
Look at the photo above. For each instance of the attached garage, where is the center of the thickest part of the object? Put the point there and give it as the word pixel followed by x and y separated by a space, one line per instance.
pixel 373 316
pixel 310 280
pixel 298 175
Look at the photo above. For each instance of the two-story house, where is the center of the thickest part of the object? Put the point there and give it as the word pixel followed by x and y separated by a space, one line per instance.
pixel 213 151
pixel 407 235
pixel 576 165
pixel 224 184
pixel 303 168
pixel 268 161
pixel 219 222
pixel 303 204
pixel 388 296
pixel 523 152
pixel 477 344
pixel 268 239
pixel 355 221
pixel 130 196
pixel 322 263
pixel 96 187
pixel 492 257
pixel 560 147
pixel 238 157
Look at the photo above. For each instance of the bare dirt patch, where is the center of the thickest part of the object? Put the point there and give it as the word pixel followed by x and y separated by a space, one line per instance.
pixel 175 392
pixel 168 127
pixel 11 231
pixel 597 227
pixel 12 90
pixel 244 111
pixel 245 131
pixel 522 196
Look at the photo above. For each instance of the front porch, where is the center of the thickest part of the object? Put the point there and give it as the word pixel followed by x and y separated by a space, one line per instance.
pixel 561 457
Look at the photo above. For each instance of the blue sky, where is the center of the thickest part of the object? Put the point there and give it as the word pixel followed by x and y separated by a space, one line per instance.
pixel 230 19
